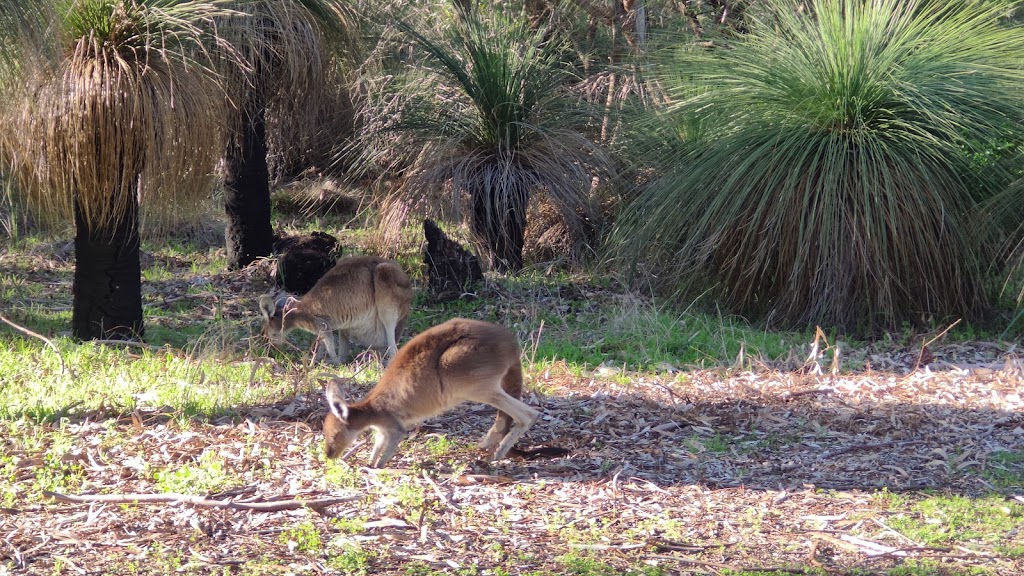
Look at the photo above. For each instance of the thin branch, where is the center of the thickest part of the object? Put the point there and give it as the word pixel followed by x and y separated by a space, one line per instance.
pixel 870 446
pixel 605 547
pixel 142 345
pixel 275 506
pixel 46 340
pixel 924 345
pixel 718 566
pixel 440 494
pixel 788 395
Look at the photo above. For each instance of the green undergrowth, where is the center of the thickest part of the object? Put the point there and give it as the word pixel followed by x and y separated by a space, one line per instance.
pixel 1005 469
pixel 953 519
pixel 203 355
pixel 43 383
pixel 205 476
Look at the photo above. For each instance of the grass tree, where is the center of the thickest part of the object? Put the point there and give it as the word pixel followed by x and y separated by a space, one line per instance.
pixel 483 116
pixel 833 182
pixel 286 45
pixel 109 104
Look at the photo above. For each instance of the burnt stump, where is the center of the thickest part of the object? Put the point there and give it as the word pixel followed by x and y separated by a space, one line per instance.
pixel 302 260
pixel 452 271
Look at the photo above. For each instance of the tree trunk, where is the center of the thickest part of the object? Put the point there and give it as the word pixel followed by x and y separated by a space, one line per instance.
pixel 247 190
pixel 499 221
pixel 108 278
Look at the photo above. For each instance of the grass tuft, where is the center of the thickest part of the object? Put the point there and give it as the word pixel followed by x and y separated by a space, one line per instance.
pixel 834 180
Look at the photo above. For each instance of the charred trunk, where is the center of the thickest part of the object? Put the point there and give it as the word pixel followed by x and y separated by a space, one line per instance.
pixel 247 189
pixel 499 222
pixel 108 278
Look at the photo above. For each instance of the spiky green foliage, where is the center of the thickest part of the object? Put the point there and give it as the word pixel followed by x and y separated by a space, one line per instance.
pixel 120 94
pixel 483 117
pixel 835 184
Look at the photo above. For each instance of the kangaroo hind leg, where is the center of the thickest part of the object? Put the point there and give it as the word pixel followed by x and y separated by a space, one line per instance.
pixel 523 416
pixel 391 299
pixel 512 384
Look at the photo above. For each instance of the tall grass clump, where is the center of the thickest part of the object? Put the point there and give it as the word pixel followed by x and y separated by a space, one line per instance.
pixel 481 115
pixel 833 181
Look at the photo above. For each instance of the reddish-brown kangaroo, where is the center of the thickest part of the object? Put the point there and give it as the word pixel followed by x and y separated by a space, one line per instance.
pixel 458 361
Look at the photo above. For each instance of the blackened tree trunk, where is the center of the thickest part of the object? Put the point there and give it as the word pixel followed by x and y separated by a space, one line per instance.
pixel 499 221
pixel 247 189
pixel 108 278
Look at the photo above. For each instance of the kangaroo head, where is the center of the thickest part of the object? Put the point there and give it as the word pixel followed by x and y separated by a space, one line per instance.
pixel 272 320
pixel 338 435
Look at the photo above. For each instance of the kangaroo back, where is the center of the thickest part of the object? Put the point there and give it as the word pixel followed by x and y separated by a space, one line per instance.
pixel 345 295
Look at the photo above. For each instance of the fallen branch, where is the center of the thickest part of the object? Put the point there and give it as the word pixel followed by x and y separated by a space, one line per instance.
pixel 142 345
pixel 662 545
pixel 28 332
pixel 474 479
pixel 787 395
pixel 870 548
pixel 437 490
pixel 719 566
pixel 275 506
pixel 925 345
pixel 606 547
pixel 877 550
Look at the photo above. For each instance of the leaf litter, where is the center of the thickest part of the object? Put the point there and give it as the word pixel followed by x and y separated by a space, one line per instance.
pixel 783 467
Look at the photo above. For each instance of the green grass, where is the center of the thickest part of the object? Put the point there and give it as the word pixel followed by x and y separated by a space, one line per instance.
pixel 440 446
pixel 644 336
pixel 304 537
pixel 200 369
pixel 954 519
pixel 341 474
pixel 101 375
pixel 1005 469
pixel 585 565
pixel 205 476
pixel 55 471
pixel 602 326
pixel 933 568
pixel 352 559
pixel 716 444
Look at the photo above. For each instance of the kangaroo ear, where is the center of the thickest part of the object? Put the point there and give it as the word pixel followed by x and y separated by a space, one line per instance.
pixel 336 401
pixel 267 306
